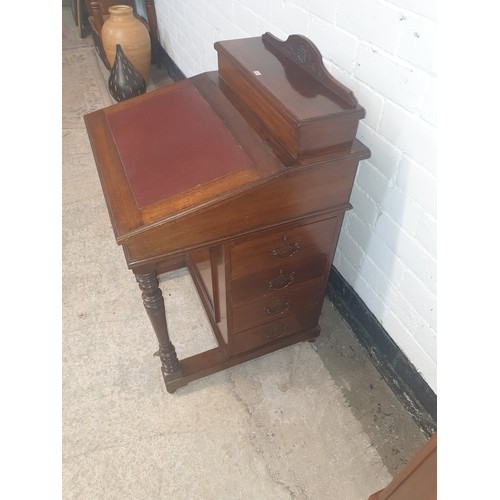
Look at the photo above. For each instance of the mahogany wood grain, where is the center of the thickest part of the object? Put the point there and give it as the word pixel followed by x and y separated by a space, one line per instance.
pixel 299 51
pixel 244 179
pixel 202 260
pixel 301 192
pixel 282 277
pixel 269 250
pixel 298 101
pixel 127 216
pixel 216 309
pixel 279 329
pixel 215 360
pixel 274 305
pixel 417 480
pixel 155 307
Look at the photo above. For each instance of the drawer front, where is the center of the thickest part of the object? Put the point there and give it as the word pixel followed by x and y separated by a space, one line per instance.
pixel 278 279
pixel 282 247
pixel 269 332
pixel 276 305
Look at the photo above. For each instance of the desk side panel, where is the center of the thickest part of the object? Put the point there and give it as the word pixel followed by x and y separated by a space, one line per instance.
pixel 122 209
pixel 208 269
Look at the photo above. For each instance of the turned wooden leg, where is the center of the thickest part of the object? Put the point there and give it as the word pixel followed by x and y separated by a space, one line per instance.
pixel 155 307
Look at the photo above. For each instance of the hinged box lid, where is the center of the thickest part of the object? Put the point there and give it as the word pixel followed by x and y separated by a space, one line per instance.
pixel 286 85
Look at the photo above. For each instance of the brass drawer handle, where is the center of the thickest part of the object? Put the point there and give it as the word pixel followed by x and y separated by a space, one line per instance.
pixel 276 332
pixel 286 249
pixel 281 281
pixel 278 308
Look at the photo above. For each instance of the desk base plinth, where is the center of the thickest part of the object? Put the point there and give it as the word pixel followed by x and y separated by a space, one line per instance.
pixel 215 360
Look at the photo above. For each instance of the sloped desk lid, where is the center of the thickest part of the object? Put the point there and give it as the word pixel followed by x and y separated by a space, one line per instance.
pixel 173 151
pixel 172 143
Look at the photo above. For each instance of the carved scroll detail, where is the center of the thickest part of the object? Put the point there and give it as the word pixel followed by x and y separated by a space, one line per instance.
pixel 305 54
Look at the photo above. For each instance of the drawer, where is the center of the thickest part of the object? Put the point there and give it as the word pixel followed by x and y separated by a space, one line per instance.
pixel 276 305
pixel 282 247
pixel 277 279
pixel 269 332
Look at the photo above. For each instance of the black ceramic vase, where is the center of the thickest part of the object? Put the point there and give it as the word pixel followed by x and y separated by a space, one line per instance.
pixel 125 81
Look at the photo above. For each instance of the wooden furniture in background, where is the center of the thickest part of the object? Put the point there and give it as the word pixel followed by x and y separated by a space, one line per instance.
pixel 243 175
pixel 144 9
pixel 417 480
pixel 80 16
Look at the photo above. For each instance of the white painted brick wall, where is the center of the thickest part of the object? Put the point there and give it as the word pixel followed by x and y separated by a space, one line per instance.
pixel 379 24
pixel 417 42
pixel 399 82
pixel 384 50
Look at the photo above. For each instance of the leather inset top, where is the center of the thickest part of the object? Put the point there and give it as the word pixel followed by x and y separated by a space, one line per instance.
pixel 172 143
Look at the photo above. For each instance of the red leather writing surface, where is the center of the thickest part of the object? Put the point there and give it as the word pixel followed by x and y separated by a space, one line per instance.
pixel 173 142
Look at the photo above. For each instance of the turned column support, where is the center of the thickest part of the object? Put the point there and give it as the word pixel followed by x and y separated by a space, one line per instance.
pixel 155 307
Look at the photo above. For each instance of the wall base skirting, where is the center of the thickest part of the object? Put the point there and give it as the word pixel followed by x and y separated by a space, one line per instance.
pixel 395 368
pixel 173 70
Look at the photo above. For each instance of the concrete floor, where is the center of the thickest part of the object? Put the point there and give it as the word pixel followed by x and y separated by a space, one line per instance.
pixel 312 421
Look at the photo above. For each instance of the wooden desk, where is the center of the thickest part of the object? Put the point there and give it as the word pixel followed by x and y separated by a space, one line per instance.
pixel 242 175
pixel 417 480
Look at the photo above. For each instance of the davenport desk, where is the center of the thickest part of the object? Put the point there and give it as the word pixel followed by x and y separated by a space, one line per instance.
pixel 243 176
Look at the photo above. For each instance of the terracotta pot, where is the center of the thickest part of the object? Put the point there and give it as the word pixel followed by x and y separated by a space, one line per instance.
pixel 123 28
